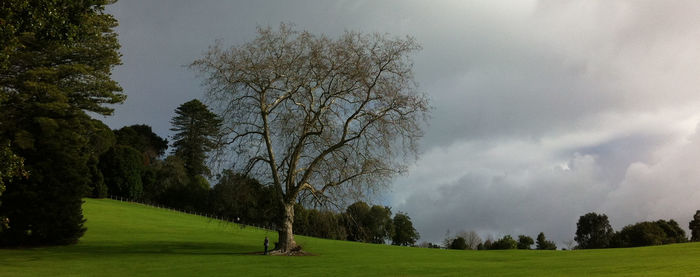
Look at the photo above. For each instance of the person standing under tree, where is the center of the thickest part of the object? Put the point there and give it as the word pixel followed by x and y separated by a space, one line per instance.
pixel 267 243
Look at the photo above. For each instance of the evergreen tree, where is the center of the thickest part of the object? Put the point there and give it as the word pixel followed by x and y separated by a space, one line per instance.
pixel 544 244
pixel 196 129
pixel 11 166
pixel 55 63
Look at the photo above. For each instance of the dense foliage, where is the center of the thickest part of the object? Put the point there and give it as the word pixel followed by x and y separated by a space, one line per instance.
pixel 504 243
pixel 593 231
pixel 649 233
pixel 11 166
pixel 55 64
pixel 122 167
pixel 458 243
pixel 694 227
pixel 142 138
pixel 404 233
pixel 525 242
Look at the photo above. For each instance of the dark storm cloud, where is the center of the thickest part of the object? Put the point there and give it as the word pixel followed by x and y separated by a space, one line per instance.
pixel 544 110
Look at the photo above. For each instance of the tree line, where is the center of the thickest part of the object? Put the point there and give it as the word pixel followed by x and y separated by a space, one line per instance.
pixel 593 231
pixel 132 168
pixel 470 240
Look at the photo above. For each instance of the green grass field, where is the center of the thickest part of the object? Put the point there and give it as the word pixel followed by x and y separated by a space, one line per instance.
pixel 125 239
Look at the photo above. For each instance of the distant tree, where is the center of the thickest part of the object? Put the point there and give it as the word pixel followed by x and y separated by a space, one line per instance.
pixel 544 244
pixel 427 244
pixel 404 233
pixel 379 224
pixel 238 196
pixel 674 232
pixel 504 243
pixel 152 147
pixel 142 138
pixel 570 244
pixel 471 238
pixel 55 64
pixel 368 224
pixel 458 243
pixel 593 231
pixel 525 242
pixel 694 227
pixel 488 243
pixel 447 240
pixel 649 233
pixel 195 130
pixel 172 183
pixel 640 234
pixel 101 139
pixel 356 214
pixel 121 167
pixel 322 224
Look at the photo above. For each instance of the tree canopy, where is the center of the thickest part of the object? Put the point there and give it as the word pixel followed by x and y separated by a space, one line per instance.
pixel 142 138
pixel 593 231
pixel 404 233
pixel 525 242
pixel 648 233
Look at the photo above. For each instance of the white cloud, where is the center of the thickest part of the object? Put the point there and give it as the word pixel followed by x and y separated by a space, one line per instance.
pixel 667 188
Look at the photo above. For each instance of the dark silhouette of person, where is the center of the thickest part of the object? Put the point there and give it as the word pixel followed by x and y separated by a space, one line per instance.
pixel 267 243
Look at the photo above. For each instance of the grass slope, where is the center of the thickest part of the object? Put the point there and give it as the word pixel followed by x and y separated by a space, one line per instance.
pixel 126 239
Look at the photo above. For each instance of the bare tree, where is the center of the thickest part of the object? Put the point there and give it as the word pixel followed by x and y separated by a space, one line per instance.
pixel 570 244
pixel 471 238
pixel 314 115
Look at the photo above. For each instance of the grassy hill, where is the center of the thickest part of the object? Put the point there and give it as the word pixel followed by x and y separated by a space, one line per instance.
pixel 126 239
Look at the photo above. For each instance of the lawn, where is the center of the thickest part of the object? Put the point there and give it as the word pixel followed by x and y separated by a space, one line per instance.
pixel 125 239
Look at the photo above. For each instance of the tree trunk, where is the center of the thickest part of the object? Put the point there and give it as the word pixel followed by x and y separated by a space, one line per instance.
pixel 286 235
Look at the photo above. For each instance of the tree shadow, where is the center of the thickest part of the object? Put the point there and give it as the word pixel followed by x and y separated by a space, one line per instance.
pixel 165 248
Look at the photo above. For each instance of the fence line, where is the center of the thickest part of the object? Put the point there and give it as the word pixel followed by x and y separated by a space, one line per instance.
pixel 207 215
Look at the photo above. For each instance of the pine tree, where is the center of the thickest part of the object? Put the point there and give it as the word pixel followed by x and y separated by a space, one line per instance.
pixel 55 63
pixel 196 129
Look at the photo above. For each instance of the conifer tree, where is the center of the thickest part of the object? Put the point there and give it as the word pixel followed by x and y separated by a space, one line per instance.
pixel 56 59
pixel 196 129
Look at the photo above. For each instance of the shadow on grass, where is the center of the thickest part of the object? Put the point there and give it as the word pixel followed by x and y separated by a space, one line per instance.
pixel 164 248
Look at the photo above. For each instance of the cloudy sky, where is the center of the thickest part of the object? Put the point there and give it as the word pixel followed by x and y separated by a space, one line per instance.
pixel 544 110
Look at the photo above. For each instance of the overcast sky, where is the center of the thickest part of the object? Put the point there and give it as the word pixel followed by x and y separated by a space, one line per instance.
pixel 544 110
